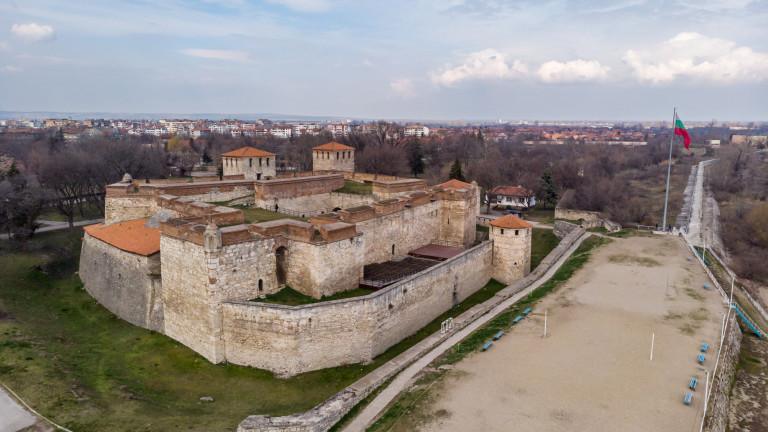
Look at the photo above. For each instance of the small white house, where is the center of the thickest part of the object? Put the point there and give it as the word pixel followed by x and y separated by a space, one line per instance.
pixel 512 197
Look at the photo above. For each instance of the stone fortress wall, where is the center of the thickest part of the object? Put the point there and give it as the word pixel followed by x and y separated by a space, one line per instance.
pixel 126 283
pixel 201 283
pixel 294 339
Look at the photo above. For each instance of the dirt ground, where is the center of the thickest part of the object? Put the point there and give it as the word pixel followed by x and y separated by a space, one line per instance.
pixel 592 372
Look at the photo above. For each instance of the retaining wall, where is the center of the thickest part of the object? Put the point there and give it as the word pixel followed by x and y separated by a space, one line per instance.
pixel 716 419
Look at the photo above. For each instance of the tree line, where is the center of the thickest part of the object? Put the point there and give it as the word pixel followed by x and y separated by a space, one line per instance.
pixel 51 172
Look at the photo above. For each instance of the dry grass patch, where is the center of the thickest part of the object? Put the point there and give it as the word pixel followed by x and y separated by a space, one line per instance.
pixel 630 259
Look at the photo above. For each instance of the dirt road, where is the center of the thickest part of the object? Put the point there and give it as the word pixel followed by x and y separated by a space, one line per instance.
pixel 593 373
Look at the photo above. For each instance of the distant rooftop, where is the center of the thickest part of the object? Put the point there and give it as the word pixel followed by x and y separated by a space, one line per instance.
pixel 247 151
pixel 333 146
pixel 454 184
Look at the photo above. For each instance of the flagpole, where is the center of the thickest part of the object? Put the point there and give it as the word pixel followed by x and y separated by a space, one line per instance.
pixel 669 169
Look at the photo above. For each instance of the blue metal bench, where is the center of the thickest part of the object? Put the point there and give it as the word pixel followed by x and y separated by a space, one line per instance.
pixel 498 335
pixel 526 311
pixel 701 359
pixel 688 398
pixel 487 345
pixel 704 347
pixel 517 319
pixel 706 286
pixel 693 383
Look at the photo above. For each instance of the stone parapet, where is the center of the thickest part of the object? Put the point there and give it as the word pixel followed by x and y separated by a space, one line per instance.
pixel 291 187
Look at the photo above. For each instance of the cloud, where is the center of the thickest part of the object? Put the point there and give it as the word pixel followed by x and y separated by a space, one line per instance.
pixel 572 71
pixel 487 64
pixel 304 5
pixel 227 55
pixel 715 5
pixel 403 87
pixel 4 46
pixel 698 57
pixel 33 32
pixel 10 69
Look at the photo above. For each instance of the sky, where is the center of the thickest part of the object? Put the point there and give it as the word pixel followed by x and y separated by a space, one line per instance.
pixel 397 59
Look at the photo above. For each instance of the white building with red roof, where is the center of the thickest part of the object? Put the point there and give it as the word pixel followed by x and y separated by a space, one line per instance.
pixel 333 156
pixel 512 197
pixel 253 163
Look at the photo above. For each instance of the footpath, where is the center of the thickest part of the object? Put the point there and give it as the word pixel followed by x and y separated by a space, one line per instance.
pixel 48 226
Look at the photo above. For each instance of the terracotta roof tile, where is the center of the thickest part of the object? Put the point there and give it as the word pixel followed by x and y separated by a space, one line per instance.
pixel 510 221
pixel 131 236
pixel 515 191
pixel 454 184
pixel 333 146
pixel 247 151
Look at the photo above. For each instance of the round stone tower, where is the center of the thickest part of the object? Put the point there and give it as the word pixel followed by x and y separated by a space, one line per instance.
pixel 511 237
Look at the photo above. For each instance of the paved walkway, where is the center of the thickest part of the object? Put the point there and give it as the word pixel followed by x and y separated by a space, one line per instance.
pixel 403 380
pixel 695 225
pixel 55 226
pixel 12 416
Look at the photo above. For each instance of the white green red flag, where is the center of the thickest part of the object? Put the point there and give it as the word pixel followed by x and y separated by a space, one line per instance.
pixel 683 132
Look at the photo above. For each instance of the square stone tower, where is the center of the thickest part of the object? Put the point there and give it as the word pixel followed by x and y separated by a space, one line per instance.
pixel 333 156
pixel 511 238
pixel 253 163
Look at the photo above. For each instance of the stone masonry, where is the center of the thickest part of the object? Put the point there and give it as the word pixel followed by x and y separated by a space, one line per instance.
pixel 203 286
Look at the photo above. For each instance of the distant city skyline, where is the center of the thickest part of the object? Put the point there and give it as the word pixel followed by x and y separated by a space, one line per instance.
pixel 630 60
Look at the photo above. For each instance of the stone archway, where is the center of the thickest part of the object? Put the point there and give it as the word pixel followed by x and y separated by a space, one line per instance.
pixel 281 256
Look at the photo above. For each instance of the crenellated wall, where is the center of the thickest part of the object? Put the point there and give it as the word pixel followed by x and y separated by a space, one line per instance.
pixel 312 205
pixel 132 200
pixel 294 339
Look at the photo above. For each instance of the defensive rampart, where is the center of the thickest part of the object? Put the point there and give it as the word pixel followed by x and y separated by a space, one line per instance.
pixel 128 199
pixel 126 283
pixel 295 339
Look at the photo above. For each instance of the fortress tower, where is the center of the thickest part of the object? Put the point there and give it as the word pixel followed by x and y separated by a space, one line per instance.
pixel 251 162
pixel 511 238
pixel 333 156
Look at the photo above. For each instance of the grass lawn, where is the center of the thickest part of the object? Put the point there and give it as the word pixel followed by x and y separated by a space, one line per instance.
pixel 290 297
pixel 542 243
pixel 255 215
pixel 84 368
pixel 353 187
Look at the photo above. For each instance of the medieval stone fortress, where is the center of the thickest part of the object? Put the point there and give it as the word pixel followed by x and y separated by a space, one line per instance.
pixel 172 258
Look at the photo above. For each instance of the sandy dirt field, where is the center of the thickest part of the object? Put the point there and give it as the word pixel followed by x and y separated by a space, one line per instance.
pixel 593 373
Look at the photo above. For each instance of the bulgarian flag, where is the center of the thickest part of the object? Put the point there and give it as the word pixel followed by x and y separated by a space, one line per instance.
pixel 683 132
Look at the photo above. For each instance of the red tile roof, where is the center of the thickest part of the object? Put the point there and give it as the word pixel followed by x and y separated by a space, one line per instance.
pixel 514 191
pixel 247 151
pixel 333 146
pixel 510 221
pixel 131 236
pixel 454 184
